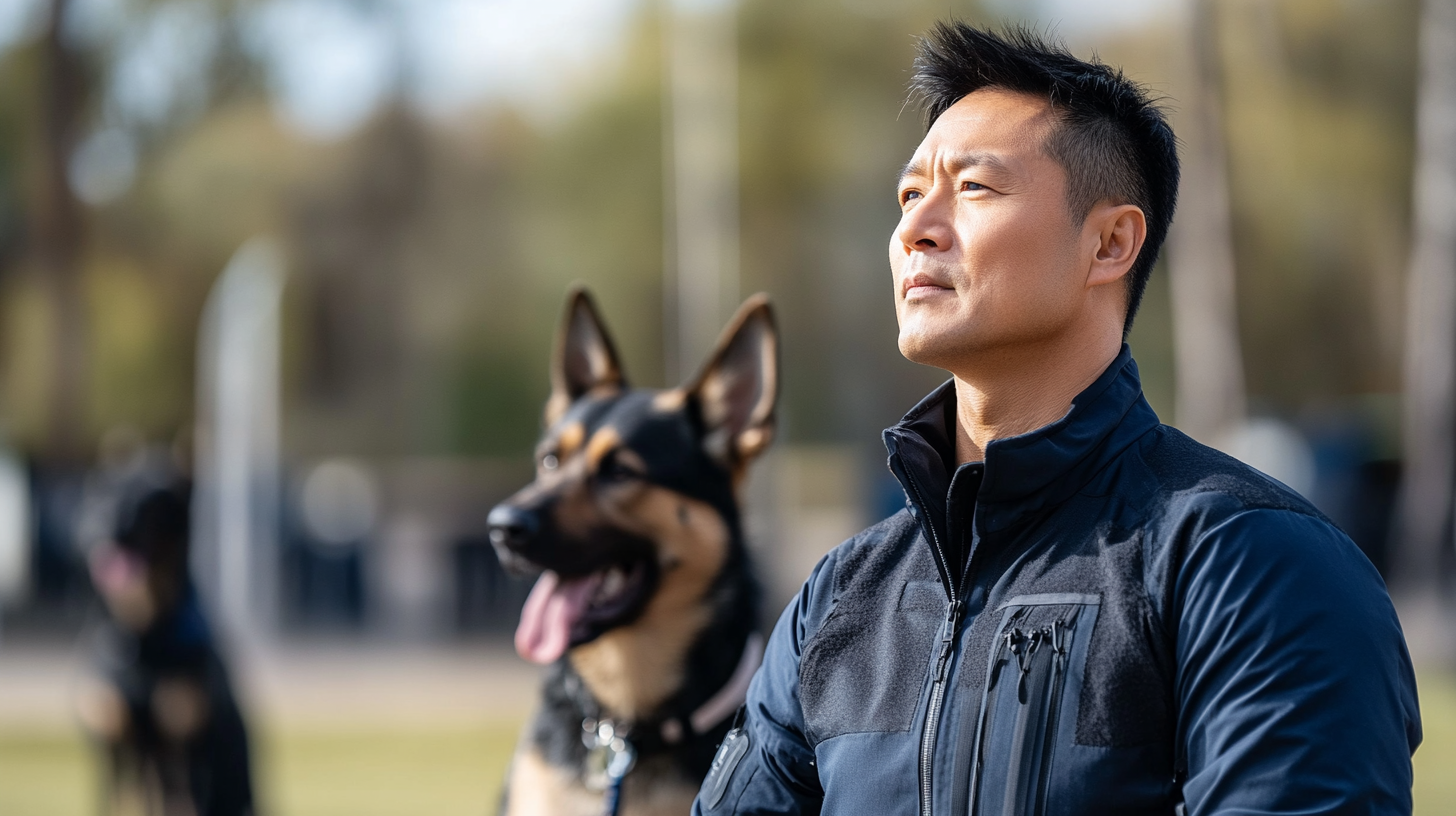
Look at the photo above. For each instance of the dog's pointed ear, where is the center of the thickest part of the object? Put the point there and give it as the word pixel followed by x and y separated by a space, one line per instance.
pixel 737 389
pixel 585 358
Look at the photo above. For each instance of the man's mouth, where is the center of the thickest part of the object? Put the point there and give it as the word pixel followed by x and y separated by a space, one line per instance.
pixel 922 286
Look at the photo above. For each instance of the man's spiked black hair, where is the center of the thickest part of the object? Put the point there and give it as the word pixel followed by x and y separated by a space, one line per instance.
pixel 1112 139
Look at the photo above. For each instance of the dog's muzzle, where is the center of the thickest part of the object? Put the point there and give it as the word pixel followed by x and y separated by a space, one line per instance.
pixel 512 527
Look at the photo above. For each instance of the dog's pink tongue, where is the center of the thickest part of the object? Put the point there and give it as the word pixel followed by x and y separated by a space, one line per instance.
pixel 552 609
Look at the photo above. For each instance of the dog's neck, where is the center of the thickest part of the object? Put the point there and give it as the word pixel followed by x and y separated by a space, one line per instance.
pixel 631 672
pixel 640 672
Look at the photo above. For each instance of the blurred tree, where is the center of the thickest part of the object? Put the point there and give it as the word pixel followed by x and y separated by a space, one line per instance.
pixel 88 137
pixel 1319 109
pixel 1210 369
pixel 824 130
pixel 58 232
pixel 1430 361
pixel 351 238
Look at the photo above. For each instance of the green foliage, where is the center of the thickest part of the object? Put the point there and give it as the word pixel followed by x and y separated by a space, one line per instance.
pixel 1320 112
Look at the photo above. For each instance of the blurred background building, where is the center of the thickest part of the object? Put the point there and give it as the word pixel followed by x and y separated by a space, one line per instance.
pixel 401 191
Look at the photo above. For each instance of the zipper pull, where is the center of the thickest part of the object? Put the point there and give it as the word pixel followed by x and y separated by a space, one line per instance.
pixel 947 637
pixel 1022 646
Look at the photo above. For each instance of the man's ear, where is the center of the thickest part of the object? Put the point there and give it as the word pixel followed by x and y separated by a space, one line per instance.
pixel 1120 230
pixel 585 358
pixel 736 390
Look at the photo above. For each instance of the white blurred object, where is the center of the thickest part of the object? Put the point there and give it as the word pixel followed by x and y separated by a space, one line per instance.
pixel 103 167
pixel 1274 447
pixel 340 502
pixel 235 505
pixel 14 531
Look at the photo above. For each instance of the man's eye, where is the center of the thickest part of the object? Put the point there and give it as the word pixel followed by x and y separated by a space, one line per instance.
pixel 972 186
pixel 909 195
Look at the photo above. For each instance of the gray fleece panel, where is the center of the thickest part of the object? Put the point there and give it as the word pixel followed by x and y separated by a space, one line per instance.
pixel 865 667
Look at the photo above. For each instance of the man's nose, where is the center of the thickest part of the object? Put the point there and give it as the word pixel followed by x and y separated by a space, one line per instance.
pixel 926 226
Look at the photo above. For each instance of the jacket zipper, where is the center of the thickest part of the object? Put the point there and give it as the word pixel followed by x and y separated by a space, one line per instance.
pixel 937 699
pixel 1031 683
pixel 947 645
pixel 1058 643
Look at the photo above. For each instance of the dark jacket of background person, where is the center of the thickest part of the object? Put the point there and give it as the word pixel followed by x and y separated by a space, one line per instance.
pixel 1104 617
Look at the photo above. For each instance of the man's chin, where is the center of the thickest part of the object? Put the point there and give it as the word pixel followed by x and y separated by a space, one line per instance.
pixel 935 350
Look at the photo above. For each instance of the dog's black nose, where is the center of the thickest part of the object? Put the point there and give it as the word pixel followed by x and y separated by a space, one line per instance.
pixel 510 526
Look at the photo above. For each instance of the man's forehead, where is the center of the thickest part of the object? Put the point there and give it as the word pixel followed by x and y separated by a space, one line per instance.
pixel 987 128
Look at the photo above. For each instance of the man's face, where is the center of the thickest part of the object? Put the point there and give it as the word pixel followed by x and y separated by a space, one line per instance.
pixel 986 255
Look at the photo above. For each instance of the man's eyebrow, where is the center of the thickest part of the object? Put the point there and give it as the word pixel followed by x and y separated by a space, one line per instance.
pixel 911 168
pixel 956 163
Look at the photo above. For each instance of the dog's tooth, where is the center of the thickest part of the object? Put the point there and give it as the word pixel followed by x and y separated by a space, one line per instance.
pixel 613 582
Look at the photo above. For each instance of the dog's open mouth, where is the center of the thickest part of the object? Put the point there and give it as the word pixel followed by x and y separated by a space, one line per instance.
pixel 563 612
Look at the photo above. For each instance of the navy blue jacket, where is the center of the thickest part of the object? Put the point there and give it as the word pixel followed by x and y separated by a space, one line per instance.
pixel 1103 617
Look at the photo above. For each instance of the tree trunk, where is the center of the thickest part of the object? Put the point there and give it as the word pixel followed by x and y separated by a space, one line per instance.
pixel 701 44
pixel 1210 398
pixel 58 231
pixel 1430 352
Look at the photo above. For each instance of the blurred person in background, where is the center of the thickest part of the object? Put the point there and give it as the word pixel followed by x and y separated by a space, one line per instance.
pixel 1080 610
pixel 156 697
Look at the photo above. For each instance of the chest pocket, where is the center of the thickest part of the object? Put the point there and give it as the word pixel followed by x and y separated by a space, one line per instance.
pixel 1033 682
pixel 865 669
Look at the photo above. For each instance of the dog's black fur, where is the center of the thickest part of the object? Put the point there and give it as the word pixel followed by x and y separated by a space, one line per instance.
pixel 157 699
pixel 645 483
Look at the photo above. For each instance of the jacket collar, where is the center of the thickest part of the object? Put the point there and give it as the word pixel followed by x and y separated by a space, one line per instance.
pixel 1027 474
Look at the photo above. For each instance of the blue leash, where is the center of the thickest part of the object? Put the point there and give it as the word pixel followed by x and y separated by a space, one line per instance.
pixel 614 797
pixel 618 756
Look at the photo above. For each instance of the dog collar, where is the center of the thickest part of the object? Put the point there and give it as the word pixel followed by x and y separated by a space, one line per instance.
pixel 607 740
pixel 726 701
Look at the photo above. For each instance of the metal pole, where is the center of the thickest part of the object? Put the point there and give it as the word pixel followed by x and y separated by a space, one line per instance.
pixel 236 519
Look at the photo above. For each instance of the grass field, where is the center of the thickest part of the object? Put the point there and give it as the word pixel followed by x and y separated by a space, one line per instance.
pixel 450 771
pixel 387 772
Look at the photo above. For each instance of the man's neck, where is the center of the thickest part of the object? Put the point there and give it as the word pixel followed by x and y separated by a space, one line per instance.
pixel 1004 395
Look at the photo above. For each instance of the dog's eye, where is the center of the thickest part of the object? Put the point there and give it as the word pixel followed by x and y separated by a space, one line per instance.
pixel 549 462
pixel 613 469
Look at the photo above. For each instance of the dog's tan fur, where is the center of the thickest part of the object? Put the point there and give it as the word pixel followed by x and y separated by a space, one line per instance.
pixel 544 790
pixel 100 709
pixel 569 440
pixel 602 443
pixel 540 789
pixel 633 669
pixel 180 707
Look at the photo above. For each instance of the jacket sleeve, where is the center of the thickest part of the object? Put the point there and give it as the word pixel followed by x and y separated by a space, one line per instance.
pixel 777 773
pixel 1295 689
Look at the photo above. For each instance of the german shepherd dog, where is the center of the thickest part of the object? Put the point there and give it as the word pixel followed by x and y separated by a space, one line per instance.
pixel 156 697
pixel 645 608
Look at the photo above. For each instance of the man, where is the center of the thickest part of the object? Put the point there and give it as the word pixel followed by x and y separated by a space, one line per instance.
pixel 1080 611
